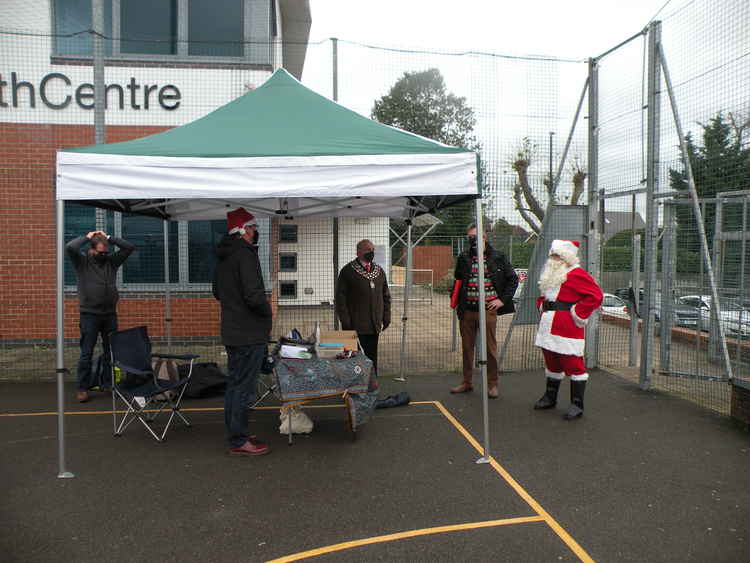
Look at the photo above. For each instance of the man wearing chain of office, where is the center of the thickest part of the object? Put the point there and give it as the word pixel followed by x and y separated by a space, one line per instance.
pixel 363 301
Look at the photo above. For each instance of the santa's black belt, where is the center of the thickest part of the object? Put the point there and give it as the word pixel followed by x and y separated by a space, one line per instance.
pixel 557 305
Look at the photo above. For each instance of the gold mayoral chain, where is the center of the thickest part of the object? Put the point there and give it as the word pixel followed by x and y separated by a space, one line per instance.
pixel 371 275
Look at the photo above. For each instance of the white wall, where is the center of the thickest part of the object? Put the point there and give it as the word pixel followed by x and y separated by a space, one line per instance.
pixel 315 267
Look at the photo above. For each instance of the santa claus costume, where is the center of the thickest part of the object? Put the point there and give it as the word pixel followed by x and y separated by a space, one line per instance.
pixel 569 298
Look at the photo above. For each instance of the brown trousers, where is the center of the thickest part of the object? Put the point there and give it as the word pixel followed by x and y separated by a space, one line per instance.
pixel 469 334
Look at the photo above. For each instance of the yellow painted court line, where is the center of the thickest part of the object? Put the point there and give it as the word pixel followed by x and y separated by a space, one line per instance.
pixel 404 535
pixel 559 530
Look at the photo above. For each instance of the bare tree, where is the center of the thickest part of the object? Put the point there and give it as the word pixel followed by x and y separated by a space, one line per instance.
pixel 528 204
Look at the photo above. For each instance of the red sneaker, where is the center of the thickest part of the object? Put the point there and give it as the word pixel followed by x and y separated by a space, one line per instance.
pixel 250 448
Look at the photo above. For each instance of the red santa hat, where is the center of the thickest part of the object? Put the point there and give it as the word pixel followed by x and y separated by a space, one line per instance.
pixel 238 219
pixel 566 249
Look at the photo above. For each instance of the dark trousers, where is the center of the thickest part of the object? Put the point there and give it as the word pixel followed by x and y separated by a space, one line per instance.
pixel 469 333
pixel 369 344
pixel 92 325
pixel 243 365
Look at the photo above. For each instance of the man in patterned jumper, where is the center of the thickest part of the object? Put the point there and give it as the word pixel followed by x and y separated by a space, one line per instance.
pixel 363 301
pixel 500 283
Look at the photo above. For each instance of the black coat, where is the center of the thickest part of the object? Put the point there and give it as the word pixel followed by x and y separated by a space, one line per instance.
pixel 246 315
pixel 499 271
pixel 360 307
pixel 97 276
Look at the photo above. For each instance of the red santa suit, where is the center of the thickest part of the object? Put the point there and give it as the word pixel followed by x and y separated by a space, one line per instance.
pixel 569 306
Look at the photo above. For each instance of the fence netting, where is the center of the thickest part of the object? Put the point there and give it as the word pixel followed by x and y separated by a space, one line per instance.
pixel 516 111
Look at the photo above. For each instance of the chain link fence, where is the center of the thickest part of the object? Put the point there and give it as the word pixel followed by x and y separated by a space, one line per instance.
pixel 519 115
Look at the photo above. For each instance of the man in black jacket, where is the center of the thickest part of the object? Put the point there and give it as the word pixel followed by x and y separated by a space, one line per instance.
pixel 500 285
pixel 96 274
pixel 245 325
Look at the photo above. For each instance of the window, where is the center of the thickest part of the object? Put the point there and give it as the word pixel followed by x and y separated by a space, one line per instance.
pixel 215 36
pixel 288 262
pixel 146 264
pixel 203 236
pixel 287 233
pixel 72 17
pixel 79 220
pixel 148 27
pixel 170 29
pixel 288 289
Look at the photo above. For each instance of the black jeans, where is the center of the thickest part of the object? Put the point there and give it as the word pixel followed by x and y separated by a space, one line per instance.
pixel 369 344
pixel 243 364
pixel 92 325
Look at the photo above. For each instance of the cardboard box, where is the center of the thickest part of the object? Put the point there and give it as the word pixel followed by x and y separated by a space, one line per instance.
pixel 346 338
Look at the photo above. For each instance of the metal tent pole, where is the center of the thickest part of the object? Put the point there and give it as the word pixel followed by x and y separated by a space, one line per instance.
pixel 167 292
pixel 60 339
pixel 716 308
pixel 482 332
pixel 407 291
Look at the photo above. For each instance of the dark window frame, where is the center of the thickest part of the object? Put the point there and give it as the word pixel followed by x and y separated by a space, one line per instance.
pixel 283 297
pixel 282 268
pixel 289 227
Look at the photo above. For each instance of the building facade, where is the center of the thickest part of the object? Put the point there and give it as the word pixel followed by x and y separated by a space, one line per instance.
pixel 166 63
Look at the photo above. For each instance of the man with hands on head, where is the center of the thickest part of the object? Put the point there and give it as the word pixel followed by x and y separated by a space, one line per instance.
pixel 96 275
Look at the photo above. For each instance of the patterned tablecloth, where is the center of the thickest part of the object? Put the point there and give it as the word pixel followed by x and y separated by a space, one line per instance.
pixel 302 380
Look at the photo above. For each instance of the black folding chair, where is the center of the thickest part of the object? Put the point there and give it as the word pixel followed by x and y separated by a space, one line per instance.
pixel 138 386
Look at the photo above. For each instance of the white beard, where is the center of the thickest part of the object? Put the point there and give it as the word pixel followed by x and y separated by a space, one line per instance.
pixel 553 276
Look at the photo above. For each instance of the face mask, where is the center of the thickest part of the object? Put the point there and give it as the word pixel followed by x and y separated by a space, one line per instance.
pixel 369 256
pixel 472 241
pixel 100 257
pixel 255 237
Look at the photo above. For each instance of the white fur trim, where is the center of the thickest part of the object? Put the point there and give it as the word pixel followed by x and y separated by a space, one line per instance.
pixel 566 250
pixel 553 375
pixel 555 343
pixel 237 231
pixel 580 323
pixel 580 377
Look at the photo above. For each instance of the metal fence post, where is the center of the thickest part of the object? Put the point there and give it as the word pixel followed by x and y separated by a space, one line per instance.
pixel 652 180
pixel 636 285
pixel 593 221
pixel 97 24
pixel 668 274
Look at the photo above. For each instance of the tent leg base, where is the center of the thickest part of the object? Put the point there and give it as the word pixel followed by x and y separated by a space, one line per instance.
pixel 482 459
pixel 400 378
pixel 65 475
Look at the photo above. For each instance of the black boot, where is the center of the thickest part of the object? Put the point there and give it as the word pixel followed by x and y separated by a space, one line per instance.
pixel 575 410
pixel 549 399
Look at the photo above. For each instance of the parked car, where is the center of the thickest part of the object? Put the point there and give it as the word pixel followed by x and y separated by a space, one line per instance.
pixel 682 315
pixel 613 305
pixel 734 319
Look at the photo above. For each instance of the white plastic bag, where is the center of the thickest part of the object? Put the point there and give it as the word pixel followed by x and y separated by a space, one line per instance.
pixel 300 422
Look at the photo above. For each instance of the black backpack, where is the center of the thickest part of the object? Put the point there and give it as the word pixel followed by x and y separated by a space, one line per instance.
pixel 207 381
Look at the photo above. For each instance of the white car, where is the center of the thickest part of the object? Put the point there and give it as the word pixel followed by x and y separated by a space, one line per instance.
pixel 613 305
pixel 734 319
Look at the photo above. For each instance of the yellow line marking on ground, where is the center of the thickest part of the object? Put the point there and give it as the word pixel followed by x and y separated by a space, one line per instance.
pixel 559 530
pixel 404 535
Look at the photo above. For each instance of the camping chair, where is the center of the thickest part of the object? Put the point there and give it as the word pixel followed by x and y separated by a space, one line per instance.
pixel 137 385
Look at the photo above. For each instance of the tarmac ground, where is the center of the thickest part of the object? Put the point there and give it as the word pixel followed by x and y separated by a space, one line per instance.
pixel 643 476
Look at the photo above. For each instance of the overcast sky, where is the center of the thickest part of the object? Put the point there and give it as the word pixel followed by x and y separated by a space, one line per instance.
pixel 575 29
